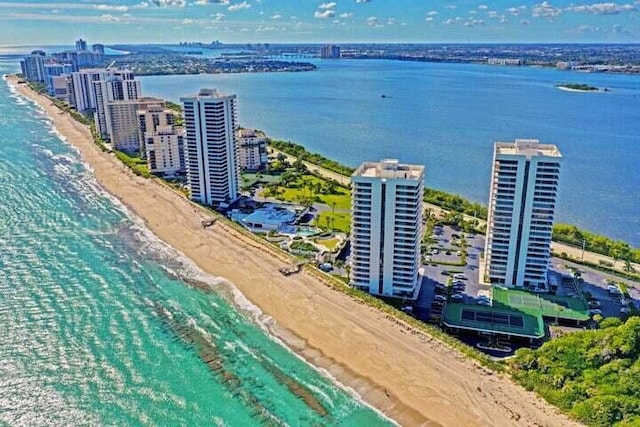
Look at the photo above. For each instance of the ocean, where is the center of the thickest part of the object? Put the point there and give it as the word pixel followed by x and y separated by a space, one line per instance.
pixel 447 117
pixel 103 324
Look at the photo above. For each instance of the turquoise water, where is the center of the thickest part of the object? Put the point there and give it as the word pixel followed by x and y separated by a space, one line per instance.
pixel 102 324
pixel 447 116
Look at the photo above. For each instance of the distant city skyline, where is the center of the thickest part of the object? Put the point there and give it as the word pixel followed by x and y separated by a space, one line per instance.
pixel 341 21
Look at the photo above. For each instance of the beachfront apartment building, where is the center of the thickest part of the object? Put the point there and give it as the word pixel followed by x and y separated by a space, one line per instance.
pixel 211 147
pixel 161 143
pixel 82 83
pixel 386 228
pixel 118 85
pixel 32 66
pixel 252 148
pixel 522 202
pixel 123 123
pixel 55 69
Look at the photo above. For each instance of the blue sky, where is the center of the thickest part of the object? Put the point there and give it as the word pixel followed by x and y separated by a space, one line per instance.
pixel 249 21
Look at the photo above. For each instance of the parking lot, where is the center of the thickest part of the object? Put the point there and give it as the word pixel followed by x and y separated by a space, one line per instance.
pixel 431 301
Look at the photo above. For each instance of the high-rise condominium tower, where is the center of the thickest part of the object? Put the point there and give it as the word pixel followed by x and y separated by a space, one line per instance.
pixel 522 202
pixel 211 149
pixel 386 228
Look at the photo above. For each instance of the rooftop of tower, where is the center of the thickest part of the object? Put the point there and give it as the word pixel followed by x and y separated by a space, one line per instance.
pixel 527 147
pixel 390 168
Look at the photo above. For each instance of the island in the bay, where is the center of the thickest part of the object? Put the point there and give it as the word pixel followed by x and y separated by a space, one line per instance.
pixel 579 87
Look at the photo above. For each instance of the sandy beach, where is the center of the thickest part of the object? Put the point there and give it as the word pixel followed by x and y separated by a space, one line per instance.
pixel 411 377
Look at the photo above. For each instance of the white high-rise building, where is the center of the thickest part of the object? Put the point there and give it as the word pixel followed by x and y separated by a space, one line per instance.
pixel 123 122
pixel 522 202
pixel 386 228
pixel 118 85
pixel 253 149
pixel 84 95
pixel 211 149
pixel 162 144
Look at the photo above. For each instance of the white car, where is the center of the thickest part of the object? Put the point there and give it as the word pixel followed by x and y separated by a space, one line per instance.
pixel 595 311
pixel 613 289
pixel 457 297
pixel 624 310
pixel 440 298
pixel 484 302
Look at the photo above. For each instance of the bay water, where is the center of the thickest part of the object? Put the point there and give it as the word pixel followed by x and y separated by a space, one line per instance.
pixel 103 324
pixel 447 117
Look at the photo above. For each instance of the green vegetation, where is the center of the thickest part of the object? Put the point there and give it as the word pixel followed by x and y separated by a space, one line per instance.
pixel 592 375
pixel 578 86
pixel 331 244
pixel 456 203
pixel 616 249
pixel 337 221
pixel 136 164
pixel 300 152
pixel 178 118
pixel 299 245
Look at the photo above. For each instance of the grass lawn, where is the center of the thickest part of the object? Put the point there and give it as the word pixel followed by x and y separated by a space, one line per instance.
pixel 341 221
pixel 330 244
pixel 251 178
pixel 342 198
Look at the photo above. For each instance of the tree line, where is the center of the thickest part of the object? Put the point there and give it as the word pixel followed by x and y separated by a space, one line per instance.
pixel 592 375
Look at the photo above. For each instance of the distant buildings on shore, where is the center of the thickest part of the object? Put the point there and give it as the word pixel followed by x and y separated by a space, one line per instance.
pixel 330 51
pixel 524 188
pixel 211 147
pixel 386 228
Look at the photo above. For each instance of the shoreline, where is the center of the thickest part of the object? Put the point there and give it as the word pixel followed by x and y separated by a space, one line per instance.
pixel 409 376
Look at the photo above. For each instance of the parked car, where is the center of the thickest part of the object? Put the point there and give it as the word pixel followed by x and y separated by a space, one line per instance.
pixel 594 304
pixel 484 302
pixel 613 289
pixel 457 297
pixel 440 291
pixel 595 311
pixel 440 298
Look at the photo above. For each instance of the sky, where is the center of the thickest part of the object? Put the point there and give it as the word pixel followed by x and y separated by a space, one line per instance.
pixel 52 22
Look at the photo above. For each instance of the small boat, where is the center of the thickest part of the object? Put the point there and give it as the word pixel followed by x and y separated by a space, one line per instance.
pixel 384 96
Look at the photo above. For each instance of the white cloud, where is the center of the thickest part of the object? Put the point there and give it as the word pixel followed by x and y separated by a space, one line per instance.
pixel 473 22
pixel 451 6
pixel 206 2
pixel 483 7
pixel 218 16
pixel 429 18
pixel 372 21
pixel 325 14
pixel 346 15
pixel 187 21
pixel 276 16
pixel 169 3
pixel 432 13
pixel 326 6
pixel 109 18
pixel 603 8
pixel 363 1
pixel 449 22
pixel 111 7
pixel 546 10
pixel 238 6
